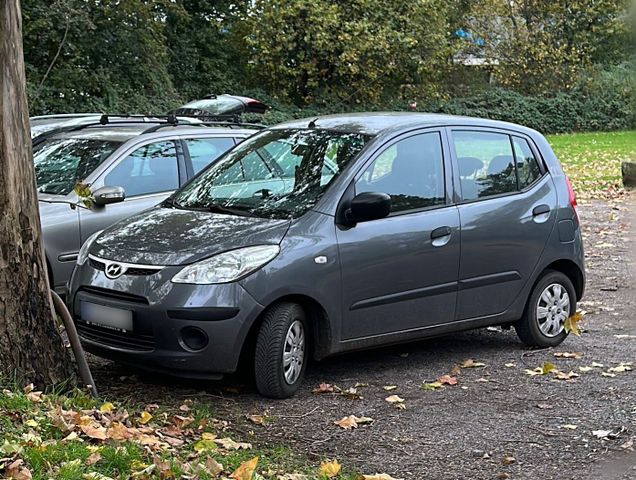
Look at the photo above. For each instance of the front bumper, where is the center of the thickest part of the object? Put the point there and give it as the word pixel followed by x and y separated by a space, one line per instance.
pixel 166 317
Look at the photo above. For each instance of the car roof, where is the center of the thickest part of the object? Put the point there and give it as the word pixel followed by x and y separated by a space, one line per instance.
pixel 127 130
pixel 374 123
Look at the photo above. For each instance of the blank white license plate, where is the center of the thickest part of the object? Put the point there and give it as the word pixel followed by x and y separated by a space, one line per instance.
pixel 107 317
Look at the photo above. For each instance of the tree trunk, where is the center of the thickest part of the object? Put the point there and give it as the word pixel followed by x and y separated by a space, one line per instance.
pixel 31 348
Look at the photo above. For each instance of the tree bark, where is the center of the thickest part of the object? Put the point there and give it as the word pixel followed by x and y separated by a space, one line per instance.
pixel 31 349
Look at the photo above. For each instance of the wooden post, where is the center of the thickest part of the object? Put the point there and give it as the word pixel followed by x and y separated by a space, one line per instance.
pixel 31 349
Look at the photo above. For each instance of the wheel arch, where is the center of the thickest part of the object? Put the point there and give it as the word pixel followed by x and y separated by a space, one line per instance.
pixel 320 326
pixel 571 270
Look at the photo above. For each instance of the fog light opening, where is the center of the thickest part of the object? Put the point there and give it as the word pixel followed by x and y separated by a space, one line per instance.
pixel 193 338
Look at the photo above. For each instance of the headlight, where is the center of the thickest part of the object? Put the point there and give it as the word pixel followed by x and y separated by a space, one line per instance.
pixel 227 267
pixel 83 253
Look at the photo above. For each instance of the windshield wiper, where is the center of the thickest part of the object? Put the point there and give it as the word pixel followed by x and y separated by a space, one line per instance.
pixel 227 211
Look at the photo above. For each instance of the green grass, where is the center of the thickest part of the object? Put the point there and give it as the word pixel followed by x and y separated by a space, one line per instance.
pixel 592 161
pixel 33 431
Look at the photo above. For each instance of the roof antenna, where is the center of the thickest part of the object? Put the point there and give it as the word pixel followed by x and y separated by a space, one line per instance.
pixel 104 119
pixel 312 124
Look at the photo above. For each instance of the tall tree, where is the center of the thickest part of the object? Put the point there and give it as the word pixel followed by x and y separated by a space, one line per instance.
pixel 354 50
pixel 30 345
pixel 541 46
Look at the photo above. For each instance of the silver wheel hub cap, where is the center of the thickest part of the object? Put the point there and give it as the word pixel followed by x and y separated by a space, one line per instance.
pixel 553 308
pixel 294 352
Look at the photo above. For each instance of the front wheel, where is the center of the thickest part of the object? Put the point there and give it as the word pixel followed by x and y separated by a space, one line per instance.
pixel 551 302
pixel 281 351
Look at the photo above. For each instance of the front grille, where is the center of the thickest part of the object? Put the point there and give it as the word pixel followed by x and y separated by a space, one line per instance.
pixel 129 269
pixel 113 338
pixel 114 294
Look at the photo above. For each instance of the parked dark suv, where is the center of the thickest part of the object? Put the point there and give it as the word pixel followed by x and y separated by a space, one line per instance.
pixel 344 232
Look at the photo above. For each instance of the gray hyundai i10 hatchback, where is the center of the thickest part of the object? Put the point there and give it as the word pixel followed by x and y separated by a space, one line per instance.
pixel 332 234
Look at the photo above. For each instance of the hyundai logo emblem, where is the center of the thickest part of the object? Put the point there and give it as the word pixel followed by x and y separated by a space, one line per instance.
pixel 114 270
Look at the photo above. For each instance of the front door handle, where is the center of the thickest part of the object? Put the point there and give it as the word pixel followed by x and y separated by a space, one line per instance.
pixel 540 210
pixel 440 232
pixel 440 236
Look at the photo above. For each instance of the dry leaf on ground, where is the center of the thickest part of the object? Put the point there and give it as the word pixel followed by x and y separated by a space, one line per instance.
pixel 330 468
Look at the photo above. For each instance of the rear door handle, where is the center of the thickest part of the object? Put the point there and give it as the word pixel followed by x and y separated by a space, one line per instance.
pixel 540 210
pixel 440 236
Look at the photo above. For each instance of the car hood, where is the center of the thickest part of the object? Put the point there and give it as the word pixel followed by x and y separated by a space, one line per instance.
pixel 167 236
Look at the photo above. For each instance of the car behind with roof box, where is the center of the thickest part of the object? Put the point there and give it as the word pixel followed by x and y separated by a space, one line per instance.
pixel 340 233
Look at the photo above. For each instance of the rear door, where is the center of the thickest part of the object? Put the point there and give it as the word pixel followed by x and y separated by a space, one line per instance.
pixel 507 211
pixel 148 174
pixel 399 273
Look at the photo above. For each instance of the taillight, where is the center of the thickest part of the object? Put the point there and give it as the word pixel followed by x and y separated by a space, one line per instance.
pixel 571 197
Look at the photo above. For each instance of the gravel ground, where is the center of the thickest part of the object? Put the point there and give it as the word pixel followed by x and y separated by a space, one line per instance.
pixel 496 423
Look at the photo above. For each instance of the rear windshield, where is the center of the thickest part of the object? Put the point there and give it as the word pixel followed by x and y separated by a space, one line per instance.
pixel 61 163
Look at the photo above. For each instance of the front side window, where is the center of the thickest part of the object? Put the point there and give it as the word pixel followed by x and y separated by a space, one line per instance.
pixel 61 163
pixel 203 151
pixel 275 174
pixel 411 171
pixel 152 168
pixel 486 164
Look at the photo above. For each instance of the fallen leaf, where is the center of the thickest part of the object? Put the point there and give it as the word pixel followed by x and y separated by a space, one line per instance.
pixel 447 380
pixel 621 368
pixel 565 376
pixel 575 355
pixel 431 386
pixel 470 363
pixel 257 419
pixel 597 365
pixel 389 388
pixel 394 399
pixel 544 369
pixel 324 388
pixel 204 445
pixel 144 418
pixel 95 476
pixel 230 444
pixel 510 365
pixel 94 432
pixel 17 471
pixel 245 471
pixel 586 369
pixel 330 468
pixel 607 374
pixel 508 460
pixel 602 434
pixel 347 423
pixel 92 459
pixel 571 324
pixel 628 445
pixel 569 426
pixel 106 408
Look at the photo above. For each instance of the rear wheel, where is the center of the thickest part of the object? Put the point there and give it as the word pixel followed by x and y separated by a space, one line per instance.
pixel 281 351
pixel 551 302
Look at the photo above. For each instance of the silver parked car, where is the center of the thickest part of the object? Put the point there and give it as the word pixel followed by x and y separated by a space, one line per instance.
pixel 129 165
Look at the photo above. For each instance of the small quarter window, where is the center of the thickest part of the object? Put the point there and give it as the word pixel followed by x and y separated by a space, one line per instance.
pixel 410 171
pixel 527 165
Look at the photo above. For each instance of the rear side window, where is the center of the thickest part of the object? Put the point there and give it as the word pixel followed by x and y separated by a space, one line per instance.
pixel 204 151
pixel 411 171
pixel 527 165
pixel 493 164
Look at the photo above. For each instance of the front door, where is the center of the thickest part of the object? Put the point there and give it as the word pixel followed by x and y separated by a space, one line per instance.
pixel 400 273
pixel 148 176
pixel 507 212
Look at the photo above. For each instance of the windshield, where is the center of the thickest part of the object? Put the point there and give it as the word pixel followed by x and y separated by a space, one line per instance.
pixel 276 174
pixel 61 163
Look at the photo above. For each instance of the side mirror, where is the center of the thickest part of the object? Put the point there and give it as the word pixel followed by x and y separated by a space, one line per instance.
pixel 369 206
pixel 107 195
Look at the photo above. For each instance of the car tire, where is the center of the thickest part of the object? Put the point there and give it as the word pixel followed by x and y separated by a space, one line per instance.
pixel 281 351
pixel 553 299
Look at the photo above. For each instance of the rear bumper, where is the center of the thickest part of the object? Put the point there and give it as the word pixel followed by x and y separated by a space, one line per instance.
pixel 184 330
